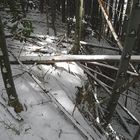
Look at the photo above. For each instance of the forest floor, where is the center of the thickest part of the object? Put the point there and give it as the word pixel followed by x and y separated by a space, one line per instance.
pixel 47 92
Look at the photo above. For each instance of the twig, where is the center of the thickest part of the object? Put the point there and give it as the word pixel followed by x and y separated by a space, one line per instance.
pixel 99 73
pixel 60 40
pixel 112 67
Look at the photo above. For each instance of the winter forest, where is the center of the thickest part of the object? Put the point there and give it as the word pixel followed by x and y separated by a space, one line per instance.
pixel 69 69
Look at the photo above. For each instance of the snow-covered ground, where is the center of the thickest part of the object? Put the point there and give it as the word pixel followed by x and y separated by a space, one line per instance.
pixel 43 120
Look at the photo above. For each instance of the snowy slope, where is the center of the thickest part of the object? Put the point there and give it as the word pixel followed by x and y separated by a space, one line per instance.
pixel 42 118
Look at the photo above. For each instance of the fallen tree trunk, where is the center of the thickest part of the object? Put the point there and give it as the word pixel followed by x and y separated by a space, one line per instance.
pixel 72 58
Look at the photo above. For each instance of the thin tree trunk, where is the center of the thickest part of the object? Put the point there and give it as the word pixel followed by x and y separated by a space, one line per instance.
pixel 68 17
pixel 78 27
pixel 7 74
pixel 125 23
pixel 95 14
pixel 47 15
pixel 53 15
pixel 119 16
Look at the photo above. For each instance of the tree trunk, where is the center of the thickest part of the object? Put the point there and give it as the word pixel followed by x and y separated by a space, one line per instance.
pixel 95 14
pixel 63 11
pixel 78 27
pixel 47 15
pixel 53 14
pixel 125 23
pixel 7 74
pixel 41 6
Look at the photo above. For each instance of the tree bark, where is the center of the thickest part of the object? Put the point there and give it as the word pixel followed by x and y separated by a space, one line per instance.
pixel 78 27
pixel 41 6
pixel 53 15
pixel 63 11
pixel 125 23
pixel 7 74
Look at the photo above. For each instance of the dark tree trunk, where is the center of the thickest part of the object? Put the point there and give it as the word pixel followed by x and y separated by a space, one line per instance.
pixel 125 23
pixel 41 6
pixel 95 14
pixel 7 74
pixel 78 26
pixel 53 14
pixel 58 3
pixel 47 14
pixel 63 11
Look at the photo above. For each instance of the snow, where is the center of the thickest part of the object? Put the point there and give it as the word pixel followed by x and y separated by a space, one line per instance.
pixel 42 119
pixel 4 70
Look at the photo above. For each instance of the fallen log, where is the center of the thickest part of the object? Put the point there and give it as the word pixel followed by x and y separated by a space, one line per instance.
pixel 72 58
